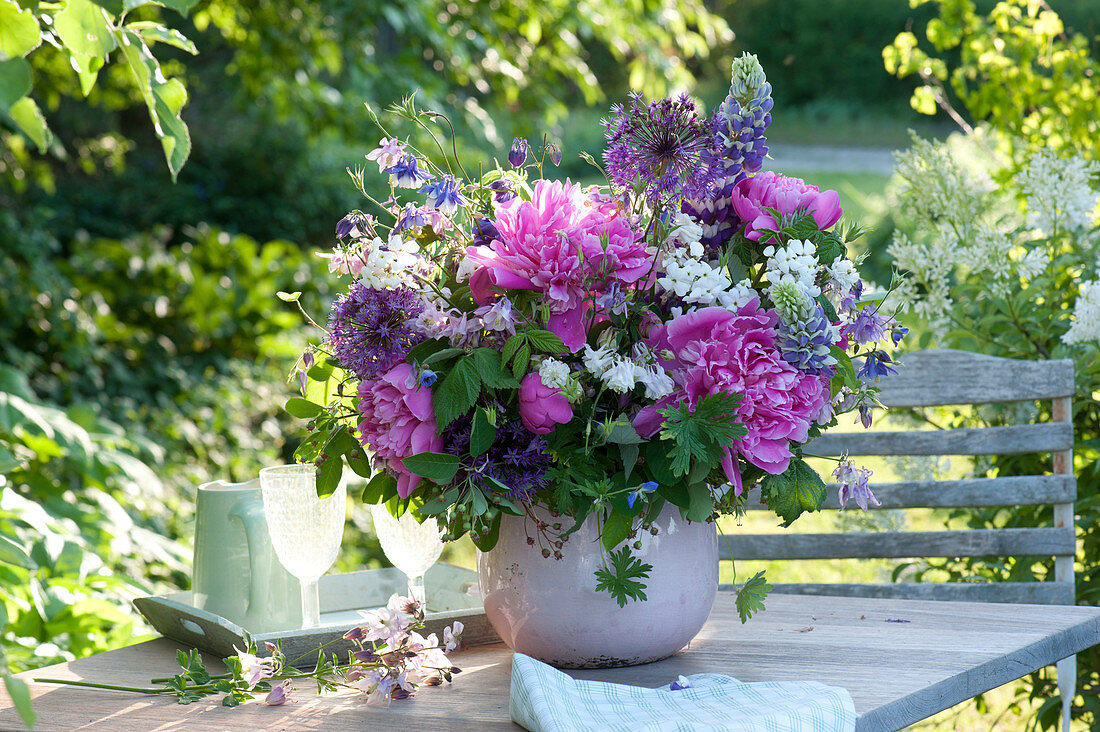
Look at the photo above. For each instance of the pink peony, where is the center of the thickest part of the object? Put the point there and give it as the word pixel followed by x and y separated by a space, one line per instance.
pixel 540 248
pixel 719 351
pixel 785 195
pixel 397 421
pixel 542 407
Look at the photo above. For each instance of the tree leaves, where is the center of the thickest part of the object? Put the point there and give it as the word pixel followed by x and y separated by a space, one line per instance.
pixel 19 30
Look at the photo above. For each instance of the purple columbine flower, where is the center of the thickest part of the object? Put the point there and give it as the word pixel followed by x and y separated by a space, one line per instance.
pixel 854 485
pixel 664 145
pixel 445 195
pixel 517 156
pixel 868 327
pixel 369 329
pixel 485 232
pixel 278 694
pixel 428 377
pixel 387 154
pixel 554 152
pixel 875 365
pixel 897 332
pixel 355 223
pixel 406 172
pixel 411 218
pixel 648 487
pixel 504 190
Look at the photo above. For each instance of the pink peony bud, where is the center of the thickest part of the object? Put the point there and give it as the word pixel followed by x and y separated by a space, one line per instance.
pixel 542 407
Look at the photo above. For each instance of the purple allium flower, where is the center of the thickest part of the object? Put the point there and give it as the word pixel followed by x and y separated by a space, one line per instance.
pixel 406 172
pixel 875 365
pixel 805 345
pixel 369 329
pixel 648 487
pixel 853 484
pixel 515 459
pixel 517 156
pixel 428 377
pixel 445 195
pixel 554 152
pixel 504 190
pixel 664 145
pixel 868 327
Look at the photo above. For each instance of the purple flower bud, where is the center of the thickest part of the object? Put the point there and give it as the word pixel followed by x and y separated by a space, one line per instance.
pixel 680 684
pixel 428 377
pixel 517 156
pixel 554 152
pixel 355 633
pixel 345 226
pixel 865 416
pixel 278 694
pixel 503 190
pixel 485 231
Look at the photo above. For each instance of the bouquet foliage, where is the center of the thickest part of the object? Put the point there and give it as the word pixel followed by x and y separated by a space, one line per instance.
pixel 671 337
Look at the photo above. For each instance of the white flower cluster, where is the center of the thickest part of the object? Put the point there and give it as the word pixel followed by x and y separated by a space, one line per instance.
pixel 843 276
pixel 621 374
pixel 1086 316
pixel 795 262
pixel 1059 196
pixel 391 264
pixel 695 281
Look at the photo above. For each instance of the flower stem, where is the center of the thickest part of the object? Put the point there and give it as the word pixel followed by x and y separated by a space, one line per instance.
pixel 113 687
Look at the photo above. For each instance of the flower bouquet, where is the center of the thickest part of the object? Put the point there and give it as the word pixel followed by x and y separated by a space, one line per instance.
pixel 511 345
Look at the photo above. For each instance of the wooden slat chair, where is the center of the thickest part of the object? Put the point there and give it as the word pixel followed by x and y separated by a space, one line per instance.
pixel 939 378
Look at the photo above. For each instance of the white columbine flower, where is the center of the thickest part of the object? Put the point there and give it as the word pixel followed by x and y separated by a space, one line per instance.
pixel 621 376
pixel 657 383
pixel 1086 316
pixel 842 276
pixel 797 261
pixel 554 373
pixel 598 361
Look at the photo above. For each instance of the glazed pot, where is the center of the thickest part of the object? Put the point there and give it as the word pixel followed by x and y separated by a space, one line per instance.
pixel 549 608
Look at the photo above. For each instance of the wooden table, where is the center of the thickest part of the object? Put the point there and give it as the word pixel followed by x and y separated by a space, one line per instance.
pixel 901 660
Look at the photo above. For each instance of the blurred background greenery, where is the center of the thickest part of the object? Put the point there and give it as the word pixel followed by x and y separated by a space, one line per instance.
pixel 142 347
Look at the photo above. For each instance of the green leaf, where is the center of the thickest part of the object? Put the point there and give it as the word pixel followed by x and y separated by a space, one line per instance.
pixel 750 596
pixel 422 350
pixel 545 341
pixel 379 489
pixel 28 118
pixel 622 432
pixel 85 29
pixel 615 529
pixel 21 697
pixel 700 434
pixel 303 408
pixel 623 580
pixel 628 453
pixel 287 296
pixel 12 553
pixel 15 81
pixel 845 372
pixel 19 31
pixel 229 701
pixel 157 33
pixel 796 490
pixel 440 355
pixel 510 347
pixel 490 370
pixel 437 467
pixel 659 463
pixel 700 502
pixel 456 393
pixel 482 433
pixel 328 477
pixel 486 540
pixel 165 99
pixel 521 361
pixel 358 462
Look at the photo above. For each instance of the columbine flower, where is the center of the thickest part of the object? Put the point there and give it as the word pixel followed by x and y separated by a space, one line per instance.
pixel 853 484
pixel 868 327
pixel 681 683
pixel 504 190
pixel 369 329
pixel 254 669
pixel 518 154
pixel 387 154
pixel 621 376
pixel 445 195
pixel 648 487
pixel 452 636
pixel 406 172
pixel 428 377
pixel 278 694
pixel 412 218
pixel 484 232
pixel 897 332
pixel 599 361
pixel 663 145
pixel 554 152
pixel 354 224
pixel 498 316
pixel 875 365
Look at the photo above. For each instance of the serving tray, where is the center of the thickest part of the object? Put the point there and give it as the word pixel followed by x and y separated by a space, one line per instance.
pixel 452 595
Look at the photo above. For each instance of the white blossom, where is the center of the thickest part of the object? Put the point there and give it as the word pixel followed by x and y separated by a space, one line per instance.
pixel 621 376
pixel 687 234
pixel 656 381
pixel 797 262
pixel 465 268
pixel 1086 316
pixel 554 373
pixel 392 263
pixel 842 276
pixel 599 361
pixel 1059 196
pixel 1033 263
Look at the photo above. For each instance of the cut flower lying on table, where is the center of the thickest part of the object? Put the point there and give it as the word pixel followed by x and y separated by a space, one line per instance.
pixel 673 337
pixel 391 661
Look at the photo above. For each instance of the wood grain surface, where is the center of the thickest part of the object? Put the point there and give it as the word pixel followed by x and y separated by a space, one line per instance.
pixel 901 660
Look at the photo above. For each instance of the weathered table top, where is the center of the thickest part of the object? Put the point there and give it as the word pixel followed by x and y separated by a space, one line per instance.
pixel 901 660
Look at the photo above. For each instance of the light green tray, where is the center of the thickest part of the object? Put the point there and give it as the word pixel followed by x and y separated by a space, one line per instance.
pixel 452 595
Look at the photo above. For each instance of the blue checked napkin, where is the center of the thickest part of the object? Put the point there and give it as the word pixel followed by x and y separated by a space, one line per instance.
pixel 544 699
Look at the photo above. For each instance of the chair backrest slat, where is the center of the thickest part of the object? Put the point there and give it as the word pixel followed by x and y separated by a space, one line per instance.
pixel 939 377
pixel 1042 593
pixel 1013 490
pixel 1010 440
pixel 1037 542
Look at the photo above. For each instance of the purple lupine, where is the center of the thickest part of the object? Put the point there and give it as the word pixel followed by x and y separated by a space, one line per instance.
pixel 739 126
pixel 665 145
pixel 805 344
pixel 369 329
pixel 517 155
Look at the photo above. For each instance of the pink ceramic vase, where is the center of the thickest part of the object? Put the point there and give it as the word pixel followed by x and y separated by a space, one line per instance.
pixel 549 609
